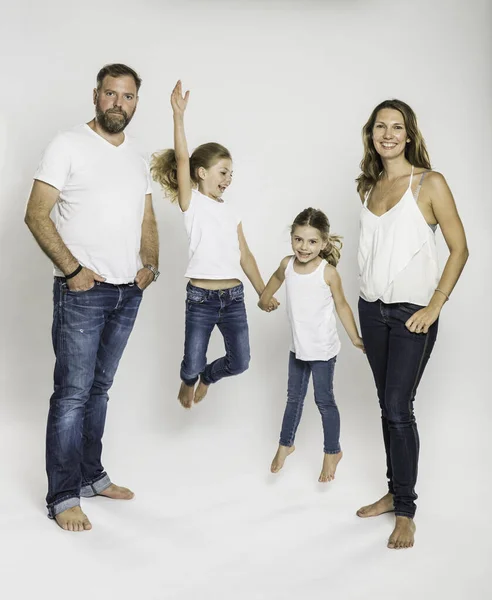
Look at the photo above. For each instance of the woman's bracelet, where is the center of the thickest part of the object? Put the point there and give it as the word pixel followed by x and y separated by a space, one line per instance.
pixel 438 290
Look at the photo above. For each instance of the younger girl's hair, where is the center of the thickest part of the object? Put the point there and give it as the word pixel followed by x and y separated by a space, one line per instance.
pixel 313 217
pixel 415 151
pixel 165 171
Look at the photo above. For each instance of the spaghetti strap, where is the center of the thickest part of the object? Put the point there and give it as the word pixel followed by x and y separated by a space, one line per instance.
pixel 411 178
pixel 417 191
pixel 367 194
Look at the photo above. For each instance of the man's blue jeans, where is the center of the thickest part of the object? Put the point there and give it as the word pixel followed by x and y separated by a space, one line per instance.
pixel 204 310
pixel 398 358
pixel 299 374
pixel 90 331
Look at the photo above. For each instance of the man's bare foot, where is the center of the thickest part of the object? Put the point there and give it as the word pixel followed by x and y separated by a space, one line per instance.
pixel 185 395
pixel 403 534
pixel 200 392
pixel 383 505
pixel 330 462
pixel 279 458
pixel 116 492
pixel 73 519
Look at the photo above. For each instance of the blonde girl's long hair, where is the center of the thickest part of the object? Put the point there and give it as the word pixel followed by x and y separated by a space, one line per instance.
pixel 313 217
pixel 164 169
pixel 415 150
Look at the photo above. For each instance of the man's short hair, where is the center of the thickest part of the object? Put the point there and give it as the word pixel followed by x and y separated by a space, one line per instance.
pixel 117 70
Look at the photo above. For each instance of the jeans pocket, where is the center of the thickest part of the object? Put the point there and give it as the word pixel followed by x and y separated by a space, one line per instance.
pixel 195 297
pixel 409 308
pixel 78 292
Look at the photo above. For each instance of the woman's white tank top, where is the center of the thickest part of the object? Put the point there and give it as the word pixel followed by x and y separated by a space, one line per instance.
pixel 397 253
pixel 311 314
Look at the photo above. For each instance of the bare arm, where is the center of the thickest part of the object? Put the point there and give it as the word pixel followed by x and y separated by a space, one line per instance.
pixel 273 285
pixel 179 103
pixel 446 214
pixel 250 268
pixel 41 202
pixel 149 245
pixel 342 307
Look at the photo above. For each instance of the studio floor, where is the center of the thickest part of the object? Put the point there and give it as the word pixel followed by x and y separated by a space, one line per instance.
pixel 210 522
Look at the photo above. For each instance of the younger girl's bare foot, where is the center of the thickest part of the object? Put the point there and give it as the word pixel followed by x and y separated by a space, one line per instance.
pixel 403 534
pixel 330 462
pixel 201 392
pixel 185 395
pixel 383 505
pixel 116 492
pixel 279 458
pixel 73 519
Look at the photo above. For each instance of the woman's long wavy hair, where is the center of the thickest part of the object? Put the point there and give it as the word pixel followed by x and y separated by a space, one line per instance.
pixel 313 217
pixel 164 168
pixel 415 150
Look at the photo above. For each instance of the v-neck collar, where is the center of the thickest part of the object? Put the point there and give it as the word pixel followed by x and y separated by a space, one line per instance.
pixel 104 140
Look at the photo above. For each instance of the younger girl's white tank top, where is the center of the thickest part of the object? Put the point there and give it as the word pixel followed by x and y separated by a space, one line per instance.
pixel 311 314
pixel 397 253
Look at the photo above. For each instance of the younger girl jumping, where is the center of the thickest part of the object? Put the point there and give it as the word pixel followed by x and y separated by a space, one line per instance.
pixel 218 255
pixel 313 288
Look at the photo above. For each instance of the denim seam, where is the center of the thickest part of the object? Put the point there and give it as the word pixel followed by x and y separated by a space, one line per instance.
pixel 300 404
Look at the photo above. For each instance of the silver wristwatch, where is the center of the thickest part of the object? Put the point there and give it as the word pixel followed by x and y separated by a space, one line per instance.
pixel 154 271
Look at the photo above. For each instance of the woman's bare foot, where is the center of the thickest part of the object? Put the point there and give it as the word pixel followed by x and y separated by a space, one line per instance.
pixel 330 462
pixel 383 505
pixel 73 519
pixel 279 458
pixel 403 534
pixel 185 395
pixel 116 492
pixel 201 392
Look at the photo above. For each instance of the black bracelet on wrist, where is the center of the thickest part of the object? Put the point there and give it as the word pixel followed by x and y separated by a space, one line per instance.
pixel 76 272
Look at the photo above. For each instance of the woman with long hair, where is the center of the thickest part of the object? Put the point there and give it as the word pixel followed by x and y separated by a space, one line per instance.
pixel 402 292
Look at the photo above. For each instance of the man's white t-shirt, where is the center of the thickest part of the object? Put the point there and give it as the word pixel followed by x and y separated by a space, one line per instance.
pixel 102 198
pixel 213 239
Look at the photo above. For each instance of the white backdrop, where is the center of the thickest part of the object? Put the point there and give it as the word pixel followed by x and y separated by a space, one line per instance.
pixel 286 86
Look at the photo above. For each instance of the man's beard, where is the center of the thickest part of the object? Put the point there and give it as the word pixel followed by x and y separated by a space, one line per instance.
pixel 110 122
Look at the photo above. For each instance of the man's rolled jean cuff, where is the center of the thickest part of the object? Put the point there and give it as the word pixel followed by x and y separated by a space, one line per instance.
pixel 93 489
pixel 59 507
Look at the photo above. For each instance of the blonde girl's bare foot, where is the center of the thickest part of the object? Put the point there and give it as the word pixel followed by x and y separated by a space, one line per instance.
pixel 383 505
pixel 279 458
pixel 116 492
pixel 73 519
pixel 201 392
pixel 185 395
pixel 403 535
pixel 330 462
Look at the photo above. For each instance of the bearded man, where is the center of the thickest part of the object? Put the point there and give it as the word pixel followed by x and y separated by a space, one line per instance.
pixel 103 243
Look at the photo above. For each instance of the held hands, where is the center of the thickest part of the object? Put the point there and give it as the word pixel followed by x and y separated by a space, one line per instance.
pixel 420 321
pixel 273 304
pixel 83 281
pixel 178 101
pixel 144 278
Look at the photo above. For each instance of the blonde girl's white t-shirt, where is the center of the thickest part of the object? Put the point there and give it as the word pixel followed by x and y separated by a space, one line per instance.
pixel 213 239
pixel 101 205
pixel 311 313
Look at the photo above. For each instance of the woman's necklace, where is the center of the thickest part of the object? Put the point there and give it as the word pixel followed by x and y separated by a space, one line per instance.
pixel 390 188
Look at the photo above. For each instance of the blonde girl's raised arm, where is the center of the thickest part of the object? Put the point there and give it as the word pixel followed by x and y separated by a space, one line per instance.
pixel 179 103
